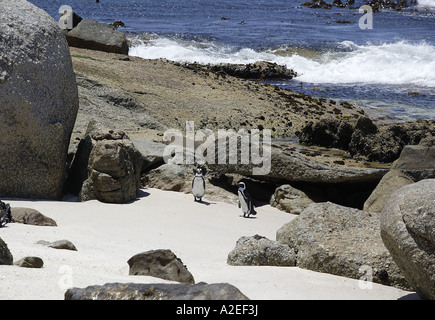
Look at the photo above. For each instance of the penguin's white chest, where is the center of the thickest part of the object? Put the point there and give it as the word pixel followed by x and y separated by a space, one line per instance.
pixel 198 189
pixel 244 205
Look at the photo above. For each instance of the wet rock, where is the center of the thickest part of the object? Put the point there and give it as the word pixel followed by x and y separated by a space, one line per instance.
pixel 89 34
pixel 256 71
pixel 363 138
pixel 329 132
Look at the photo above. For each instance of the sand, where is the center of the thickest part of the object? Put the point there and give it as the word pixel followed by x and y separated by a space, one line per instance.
pixel 201 235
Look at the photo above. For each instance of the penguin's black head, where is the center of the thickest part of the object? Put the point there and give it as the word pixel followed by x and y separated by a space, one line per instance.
pixel 241 185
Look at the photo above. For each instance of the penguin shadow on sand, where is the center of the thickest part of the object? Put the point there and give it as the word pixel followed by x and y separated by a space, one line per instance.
pixel 198 185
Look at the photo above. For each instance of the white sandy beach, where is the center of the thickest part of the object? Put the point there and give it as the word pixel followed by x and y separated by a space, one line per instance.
pixel 201 235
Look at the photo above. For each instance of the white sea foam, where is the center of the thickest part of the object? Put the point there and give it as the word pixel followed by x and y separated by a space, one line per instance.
pixel 398 63
pixel 426 4
pixel 192 51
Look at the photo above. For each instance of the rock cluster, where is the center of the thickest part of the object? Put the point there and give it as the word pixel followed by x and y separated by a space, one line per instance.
pixel 342 241
pixel 375 4
pixel 260 70
pixel 106 166
pixel 364 139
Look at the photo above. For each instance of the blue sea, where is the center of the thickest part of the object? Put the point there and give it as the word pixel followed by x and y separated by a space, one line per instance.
pixel 384 63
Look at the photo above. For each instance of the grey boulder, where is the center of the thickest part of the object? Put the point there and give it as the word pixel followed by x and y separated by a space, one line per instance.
pixel 260 251
pixel 389 183
pixel 38 102
pixel 5 255
pixel 342 241
pixel 289 199
pixel 160 263
pixel 157 291
pixel 31 216
pixel 408 231
pixel 30 262
pixel 95 35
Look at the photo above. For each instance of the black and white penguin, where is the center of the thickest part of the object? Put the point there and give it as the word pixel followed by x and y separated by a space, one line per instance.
pixel 245 200
pixel 198 184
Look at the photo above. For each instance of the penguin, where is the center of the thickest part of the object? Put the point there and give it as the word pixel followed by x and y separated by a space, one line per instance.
pixel 245 200
pixel 198 184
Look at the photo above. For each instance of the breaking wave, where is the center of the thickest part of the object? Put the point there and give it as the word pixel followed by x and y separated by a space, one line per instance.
pixel 399 63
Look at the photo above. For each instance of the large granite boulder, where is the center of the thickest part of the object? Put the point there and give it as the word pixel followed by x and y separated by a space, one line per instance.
pixel 157 291
pixel 95 35
pixel 342 241
pixel 38 102
pixel 291 165
pixel 408 231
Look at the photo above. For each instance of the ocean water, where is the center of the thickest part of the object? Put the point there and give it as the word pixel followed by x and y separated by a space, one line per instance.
pixel 389 69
